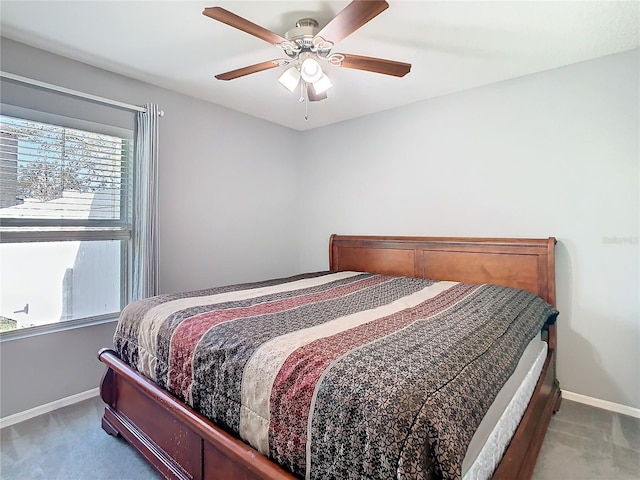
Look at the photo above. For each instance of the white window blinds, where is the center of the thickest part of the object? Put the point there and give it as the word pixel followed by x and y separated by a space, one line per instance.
pixel 54 176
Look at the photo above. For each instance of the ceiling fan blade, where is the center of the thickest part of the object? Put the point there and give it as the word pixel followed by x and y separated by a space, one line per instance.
pixel 313 96
pixel 377 65
pixel 225 16
pixel 241 72
pixel 354 16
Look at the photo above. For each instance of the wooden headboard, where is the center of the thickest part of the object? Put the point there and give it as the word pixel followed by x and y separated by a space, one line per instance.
pixel 523 263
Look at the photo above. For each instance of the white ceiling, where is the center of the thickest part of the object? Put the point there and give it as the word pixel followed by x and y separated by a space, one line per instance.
pixel 452 46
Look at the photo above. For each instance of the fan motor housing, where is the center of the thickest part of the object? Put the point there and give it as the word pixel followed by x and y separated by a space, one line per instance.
pixel 303 33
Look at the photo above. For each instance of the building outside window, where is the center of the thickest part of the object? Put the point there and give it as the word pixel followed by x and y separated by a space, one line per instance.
pixel 65 223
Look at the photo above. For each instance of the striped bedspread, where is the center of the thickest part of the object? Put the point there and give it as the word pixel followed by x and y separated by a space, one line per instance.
pixel 339 374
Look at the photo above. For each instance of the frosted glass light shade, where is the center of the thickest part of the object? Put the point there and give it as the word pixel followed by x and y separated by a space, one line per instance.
pixel 290 78
pixel 310 70
pixel 322 85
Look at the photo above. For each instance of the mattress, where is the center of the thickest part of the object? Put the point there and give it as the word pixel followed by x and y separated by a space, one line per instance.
pixel 494 433
pixel 339 374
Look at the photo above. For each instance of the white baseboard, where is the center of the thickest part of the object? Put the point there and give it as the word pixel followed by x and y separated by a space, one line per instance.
pixel 47 407
pixel 596 402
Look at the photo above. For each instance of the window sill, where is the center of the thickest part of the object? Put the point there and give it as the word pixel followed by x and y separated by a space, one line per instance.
pixel 56 327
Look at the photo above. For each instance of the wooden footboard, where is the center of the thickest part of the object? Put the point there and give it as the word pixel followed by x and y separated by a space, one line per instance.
pixel 175 439
pixel 182 444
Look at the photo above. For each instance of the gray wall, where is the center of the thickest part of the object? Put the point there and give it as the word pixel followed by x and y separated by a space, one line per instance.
pixel 227 196
pixel 44 368
pixel 552 154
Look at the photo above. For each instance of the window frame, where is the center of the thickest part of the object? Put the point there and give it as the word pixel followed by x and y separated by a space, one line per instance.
pixel 16 230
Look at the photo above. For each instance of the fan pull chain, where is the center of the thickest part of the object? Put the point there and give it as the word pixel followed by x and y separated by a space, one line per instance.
pixel 304 98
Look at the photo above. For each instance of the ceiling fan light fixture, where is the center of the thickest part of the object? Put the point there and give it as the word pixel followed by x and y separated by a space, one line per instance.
pixel 310 70
pixel 290 78
pixel 322 85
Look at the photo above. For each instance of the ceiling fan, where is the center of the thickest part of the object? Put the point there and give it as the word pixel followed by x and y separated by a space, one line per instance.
pixel 305 44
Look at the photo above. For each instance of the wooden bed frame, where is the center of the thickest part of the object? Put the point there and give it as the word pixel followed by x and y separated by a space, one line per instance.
pixel 182 444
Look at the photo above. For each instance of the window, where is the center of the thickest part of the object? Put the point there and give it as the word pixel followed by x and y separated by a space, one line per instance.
pixel 65 223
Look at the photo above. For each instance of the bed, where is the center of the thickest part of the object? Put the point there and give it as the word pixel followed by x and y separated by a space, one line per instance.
pixel 182 443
